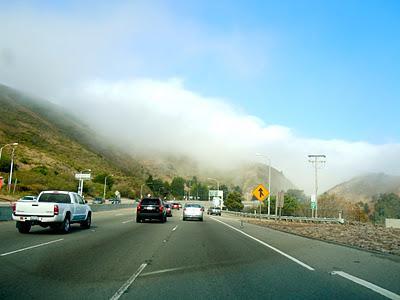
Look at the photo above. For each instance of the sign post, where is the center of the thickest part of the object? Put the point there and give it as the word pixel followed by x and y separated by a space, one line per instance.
pixel 313 205
pixel 260 192
pixel 81 177
pixel 280 199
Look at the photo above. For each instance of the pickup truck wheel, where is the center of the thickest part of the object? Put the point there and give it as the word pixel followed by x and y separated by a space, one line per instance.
pixel 86 224
pixel 66 225
pixel 23 227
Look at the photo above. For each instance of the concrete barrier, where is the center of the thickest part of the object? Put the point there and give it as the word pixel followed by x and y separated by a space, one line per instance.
pixel 105 207
pixel 394 223
pixel 5 213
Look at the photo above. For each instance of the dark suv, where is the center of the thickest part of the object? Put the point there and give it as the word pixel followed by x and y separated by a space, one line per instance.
pixel 151 208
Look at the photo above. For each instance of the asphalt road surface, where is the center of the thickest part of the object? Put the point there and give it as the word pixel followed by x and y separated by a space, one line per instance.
pixel 214 259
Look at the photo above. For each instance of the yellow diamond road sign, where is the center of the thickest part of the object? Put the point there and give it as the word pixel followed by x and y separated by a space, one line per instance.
pixel 260 192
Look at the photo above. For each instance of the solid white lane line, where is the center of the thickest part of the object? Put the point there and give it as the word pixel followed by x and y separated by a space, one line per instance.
pixel 127 221
pixel 128 283
pixel 267 245
pixel 31 247
pixel 163 271
pixel 173 229
pixel 117 215
pixel 368 285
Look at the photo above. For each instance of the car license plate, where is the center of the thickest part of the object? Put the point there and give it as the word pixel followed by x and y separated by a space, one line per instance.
pixel 34 218
pixel 150 208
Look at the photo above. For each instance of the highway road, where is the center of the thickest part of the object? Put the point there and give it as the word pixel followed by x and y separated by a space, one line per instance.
pixel 217 258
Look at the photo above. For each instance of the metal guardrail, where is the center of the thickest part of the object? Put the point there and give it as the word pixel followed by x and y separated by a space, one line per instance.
pixel 285 218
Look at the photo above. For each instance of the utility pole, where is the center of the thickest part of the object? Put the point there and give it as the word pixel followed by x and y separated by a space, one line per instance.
pixel 105 186
pixel 317 160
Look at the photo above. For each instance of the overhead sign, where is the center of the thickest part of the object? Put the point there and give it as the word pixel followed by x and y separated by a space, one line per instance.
pixel 82 176
pixel 260 192
pixel 216 193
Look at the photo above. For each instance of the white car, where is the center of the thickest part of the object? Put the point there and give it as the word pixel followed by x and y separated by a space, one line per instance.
pixel 57 209
pixel 193 211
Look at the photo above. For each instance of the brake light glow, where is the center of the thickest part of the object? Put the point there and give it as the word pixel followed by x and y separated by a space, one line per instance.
pixel 139 207
pixel 56 210
pixel 14 205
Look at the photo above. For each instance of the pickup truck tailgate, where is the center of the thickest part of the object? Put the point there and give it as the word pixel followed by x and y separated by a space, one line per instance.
pixel 42 209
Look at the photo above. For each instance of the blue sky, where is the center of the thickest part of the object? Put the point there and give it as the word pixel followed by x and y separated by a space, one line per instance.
pixel 333 70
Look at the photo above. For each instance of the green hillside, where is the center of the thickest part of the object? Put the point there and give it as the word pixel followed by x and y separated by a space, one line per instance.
pixel 54 145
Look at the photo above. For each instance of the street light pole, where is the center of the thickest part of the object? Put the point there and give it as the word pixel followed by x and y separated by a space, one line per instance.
pixel 12 144
pixel 11 169
pixel 141 191
pixel 269 183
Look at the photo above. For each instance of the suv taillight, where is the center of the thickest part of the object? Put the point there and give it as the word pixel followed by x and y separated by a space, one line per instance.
pixel 139 207
pixel 13 206
pixel 56 210
pixel 161 208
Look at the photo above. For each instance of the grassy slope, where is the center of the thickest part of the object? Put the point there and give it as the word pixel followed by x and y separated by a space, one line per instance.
pixel 363 188
pixel 54 139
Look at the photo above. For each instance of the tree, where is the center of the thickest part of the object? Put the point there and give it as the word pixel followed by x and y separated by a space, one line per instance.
pixel 290 205
pixel 237 189
pixel 100 178
pixel 5 164
pixel 177 187
pixel 224 188
pixel 297 194
pixel 234 201
pixel 386 206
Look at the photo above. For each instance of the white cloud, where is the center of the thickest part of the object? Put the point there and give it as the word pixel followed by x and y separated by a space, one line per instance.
pixel 146 114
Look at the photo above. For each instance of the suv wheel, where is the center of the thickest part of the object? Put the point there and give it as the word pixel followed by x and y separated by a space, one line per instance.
pixel 66 225
pixel 86 224
pixel 138 219
pixel 23 227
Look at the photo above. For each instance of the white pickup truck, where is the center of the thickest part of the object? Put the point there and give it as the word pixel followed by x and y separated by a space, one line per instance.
pixel 57 209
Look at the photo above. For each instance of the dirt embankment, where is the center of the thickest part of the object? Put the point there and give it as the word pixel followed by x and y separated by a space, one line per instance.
pixel 365 236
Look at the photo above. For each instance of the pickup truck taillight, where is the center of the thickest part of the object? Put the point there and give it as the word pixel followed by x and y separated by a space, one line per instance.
pixel 56 210
pixel 13 206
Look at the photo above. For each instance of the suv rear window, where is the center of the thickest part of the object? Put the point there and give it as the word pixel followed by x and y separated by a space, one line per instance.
pixel 193 205
pixel 149 201
pixel 56 198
